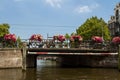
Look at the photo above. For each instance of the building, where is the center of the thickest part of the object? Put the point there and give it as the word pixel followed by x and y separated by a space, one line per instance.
pixel 114 22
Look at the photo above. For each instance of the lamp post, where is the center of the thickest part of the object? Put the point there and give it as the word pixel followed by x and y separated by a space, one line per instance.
pixel 102 37
pixel 102 32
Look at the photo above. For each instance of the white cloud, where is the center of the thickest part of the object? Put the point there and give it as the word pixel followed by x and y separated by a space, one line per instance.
pixel 86 8
pixel 83 9
pixel 54 3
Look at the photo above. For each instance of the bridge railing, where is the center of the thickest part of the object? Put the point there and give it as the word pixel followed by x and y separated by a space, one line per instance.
pixel 86 44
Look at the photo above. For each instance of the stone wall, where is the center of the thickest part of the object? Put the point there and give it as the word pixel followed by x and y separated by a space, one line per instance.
pixel 104 61
pixel 95 61
pixel 10 58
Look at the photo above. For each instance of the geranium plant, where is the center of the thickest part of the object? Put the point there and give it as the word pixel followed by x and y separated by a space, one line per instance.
pixel 60 38
pixel 76 38
pixel 116 40
pixel 10 40
pixel 10 37
pixel 36 37
pixel 35 41
pixel 97 39
pixel 75 41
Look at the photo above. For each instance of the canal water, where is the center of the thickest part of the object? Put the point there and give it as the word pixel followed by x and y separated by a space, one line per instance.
pixel 49 70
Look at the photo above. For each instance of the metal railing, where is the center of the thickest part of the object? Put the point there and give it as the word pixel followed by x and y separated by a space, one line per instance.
pixel 50 43
pixel 86 44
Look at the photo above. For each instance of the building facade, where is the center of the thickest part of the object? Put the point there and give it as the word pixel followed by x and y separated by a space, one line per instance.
pixel 114 22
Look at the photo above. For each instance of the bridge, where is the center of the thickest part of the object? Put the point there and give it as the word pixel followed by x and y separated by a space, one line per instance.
pixel 71 56
pixel 68 51
pixel 85 54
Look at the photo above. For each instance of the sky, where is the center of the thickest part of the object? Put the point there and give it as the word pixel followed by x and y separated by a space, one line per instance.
pixel 51 17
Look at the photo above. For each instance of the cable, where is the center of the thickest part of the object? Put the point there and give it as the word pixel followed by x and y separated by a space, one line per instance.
pixel 39 25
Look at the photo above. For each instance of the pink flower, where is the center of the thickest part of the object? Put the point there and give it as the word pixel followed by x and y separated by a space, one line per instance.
pixel 116 40
pixel 11 37
pixel 61 38
pixel 37 37
pixel 97 39
pixel 76 38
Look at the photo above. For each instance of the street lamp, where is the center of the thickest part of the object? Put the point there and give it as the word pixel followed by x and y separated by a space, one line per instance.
pixel 102 32
pixel 102 37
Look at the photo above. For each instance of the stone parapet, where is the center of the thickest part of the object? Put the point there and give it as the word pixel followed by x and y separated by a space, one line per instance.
pixel 10 58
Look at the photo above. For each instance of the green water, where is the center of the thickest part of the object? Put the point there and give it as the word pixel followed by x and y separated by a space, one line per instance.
pixel 49 71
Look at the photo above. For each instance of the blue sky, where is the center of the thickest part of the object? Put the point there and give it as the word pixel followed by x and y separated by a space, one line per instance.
pixel 27 17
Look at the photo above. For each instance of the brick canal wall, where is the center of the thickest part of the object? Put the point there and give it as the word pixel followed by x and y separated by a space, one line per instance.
pixel 10 58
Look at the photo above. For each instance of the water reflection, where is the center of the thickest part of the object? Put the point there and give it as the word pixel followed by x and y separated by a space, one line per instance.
pixel 51 72
pixel 77 74
pixel 11 74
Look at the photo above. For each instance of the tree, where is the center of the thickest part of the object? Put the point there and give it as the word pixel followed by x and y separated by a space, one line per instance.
pixel 19 42
pixel 4 29
pixel 94 27
pixel 67 36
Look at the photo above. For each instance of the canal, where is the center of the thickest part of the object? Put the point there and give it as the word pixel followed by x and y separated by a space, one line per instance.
pixel 49 70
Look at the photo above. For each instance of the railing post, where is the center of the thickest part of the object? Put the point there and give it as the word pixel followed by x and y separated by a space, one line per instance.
pixel 119 58
pixel 24 58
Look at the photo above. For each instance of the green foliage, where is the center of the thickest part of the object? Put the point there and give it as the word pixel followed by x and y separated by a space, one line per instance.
pixel 67 36
pixel 4 29
pixel 19 42
pixel 73 33
pixel 94 27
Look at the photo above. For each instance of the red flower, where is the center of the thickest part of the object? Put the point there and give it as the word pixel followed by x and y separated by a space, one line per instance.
pixel 37 37
pixel 97 39
pixel 11 37
pixel 76 38
pixel 61 38
pixel 116 40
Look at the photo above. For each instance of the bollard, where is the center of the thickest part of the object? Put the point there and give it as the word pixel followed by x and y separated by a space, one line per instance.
pixel 24 58
pixel 119 58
